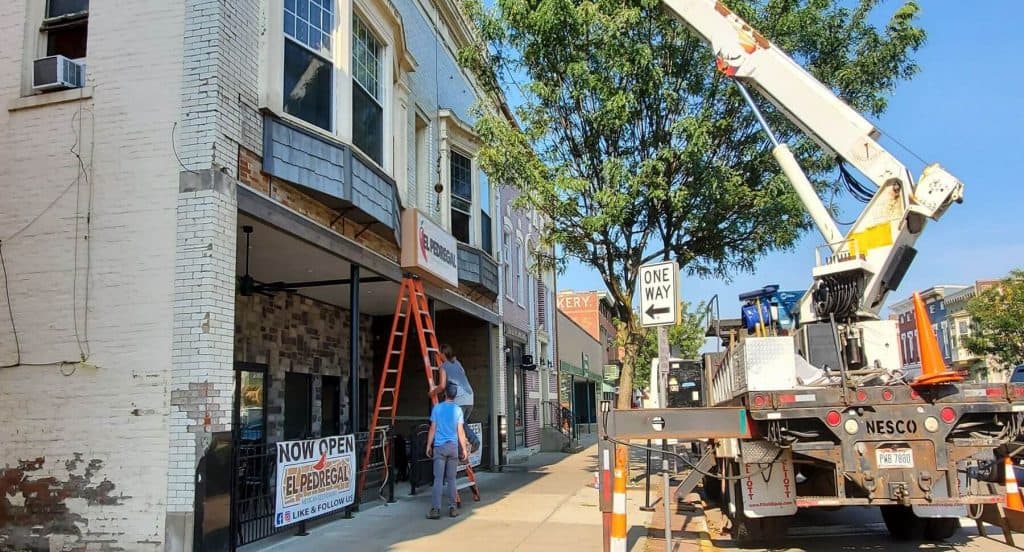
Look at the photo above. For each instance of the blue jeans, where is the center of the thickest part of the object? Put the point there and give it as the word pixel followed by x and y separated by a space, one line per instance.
pixel 446 461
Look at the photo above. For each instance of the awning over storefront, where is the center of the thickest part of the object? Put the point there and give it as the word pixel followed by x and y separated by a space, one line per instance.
pixel 330 245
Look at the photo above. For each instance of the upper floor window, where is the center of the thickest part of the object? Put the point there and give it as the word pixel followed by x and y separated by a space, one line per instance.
pixel 517 289
pixel 506 259
pixel 461 176
pixel 486 241
pixel 308 67
pixel 66 25
pixel 367 91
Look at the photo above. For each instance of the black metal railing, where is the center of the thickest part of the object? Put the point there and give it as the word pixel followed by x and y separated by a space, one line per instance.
pixel 255 487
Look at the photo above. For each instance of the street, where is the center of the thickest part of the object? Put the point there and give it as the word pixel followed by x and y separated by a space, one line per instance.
pixel 862 529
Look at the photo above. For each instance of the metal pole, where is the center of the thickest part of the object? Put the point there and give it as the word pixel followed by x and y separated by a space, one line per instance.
pixel 353 361
pixel 647 484
pixel 667 505
pixel 663 354
pixel 353 366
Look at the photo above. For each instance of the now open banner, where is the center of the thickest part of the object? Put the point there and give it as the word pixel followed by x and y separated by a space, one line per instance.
pixel 314 477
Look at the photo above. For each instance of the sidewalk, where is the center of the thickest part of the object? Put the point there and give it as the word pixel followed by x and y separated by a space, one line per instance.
pixel 545 504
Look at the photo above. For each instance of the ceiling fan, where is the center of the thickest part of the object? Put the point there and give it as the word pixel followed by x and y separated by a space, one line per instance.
pixel 247 285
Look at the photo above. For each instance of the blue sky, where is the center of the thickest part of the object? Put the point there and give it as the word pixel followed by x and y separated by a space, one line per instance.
pixel 964 110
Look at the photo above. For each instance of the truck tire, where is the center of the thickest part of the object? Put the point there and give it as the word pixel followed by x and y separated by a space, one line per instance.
pixel 902 523
pixel 937 529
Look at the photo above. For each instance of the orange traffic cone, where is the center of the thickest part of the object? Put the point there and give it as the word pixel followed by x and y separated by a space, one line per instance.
pixel 933 369
pixel 1013 500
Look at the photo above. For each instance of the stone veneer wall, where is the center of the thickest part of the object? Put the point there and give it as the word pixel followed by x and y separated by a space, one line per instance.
pixel 293 333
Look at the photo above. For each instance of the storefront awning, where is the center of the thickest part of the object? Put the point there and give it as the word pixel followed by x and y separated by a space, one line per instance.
pixel 272 213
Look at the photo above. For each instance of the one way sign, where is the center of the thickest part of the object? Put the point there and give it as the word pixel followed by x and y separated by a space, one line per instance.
pixel 659 294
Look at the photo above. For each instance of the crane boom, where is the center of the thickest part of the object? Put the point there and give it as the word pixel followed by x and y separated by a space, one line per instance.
pixel 859 269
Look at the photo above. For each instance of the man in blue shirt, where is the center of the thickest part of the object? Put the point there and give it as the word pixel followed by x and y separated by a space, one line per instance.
pixel 453 372
pixel 446 443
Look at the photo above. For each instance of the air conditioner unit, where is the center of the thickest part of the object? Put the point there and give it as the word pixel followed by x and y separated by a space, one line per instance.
pixel 56 72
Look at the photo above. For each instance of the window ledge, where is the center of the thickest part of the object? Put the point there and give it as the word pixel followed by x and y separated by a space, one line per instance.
pixel 50 98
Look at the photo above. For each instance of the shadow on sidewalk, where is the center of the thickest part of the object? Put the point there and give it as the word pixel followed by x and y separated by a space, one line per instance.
pixel 380 526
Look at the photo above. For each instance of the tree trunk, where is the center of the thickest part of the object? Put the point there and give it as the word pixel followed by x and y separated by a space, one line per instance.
pixel 631 348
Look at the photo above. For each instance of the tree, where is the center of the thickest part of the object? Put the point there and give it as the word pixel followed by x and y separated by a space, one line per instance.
pixel 998 314
pixel 687 337
pixel 634 149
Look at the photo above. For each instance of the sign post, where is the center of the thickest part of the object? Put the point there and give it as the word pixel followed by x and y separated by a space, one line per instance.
pixel 659 307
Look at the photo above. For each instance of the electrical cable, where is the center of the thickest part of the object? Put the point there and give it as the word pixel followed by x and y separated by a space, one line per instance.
pixel 387 470
pixel 10 310
pixel 78 201
pixel 767 468
pixel 174 148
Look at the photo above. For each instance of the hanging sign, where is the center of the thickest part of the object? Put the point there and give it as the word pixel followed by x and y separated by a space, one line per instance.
pixel 428 249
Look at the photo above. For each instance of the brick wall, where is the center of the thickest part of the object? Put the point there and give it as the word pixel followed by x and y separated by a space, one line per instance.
pixel 220 80
pixel 88 443
pixel 202 375
pixel 293 333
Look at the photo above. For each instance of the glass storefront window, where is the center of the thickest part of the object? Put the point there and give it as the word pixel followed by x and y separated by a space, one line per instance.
pixel 252 409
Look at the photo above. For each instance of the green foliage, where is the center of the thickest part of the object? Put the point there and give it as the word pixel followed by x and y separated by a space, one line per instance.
pixel 998 314
pixel 634 149
pixel 687 337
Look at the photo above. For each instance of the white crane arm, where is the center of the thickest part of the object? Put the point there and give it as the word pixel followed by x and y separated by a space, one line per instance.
pixel 877 251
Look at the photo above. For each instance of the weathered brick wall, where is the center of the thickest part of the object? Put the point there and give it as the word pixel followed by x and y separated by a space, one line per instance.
pixel 202 374
pixel 219 92
pixel 293 333
pixel 83 459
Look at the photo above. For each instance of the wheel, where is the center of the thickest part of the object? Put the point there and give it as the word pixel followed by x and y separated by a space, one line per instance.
pixel 938 529
pixel 902 523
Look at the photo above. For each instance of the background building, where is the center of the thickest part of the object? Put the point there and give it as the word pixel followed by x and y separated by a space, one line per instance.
pixel 580 377
pixel 961 326
pixel 934 299
pixel 530 388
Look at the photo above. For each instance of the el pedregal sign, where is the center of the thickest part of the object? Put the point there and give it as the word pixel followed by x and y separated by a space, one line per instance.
pixel 428 250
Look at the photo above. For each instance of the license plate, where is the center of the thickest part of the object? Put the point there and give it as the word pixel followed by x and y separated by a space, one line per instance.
pixel 895 458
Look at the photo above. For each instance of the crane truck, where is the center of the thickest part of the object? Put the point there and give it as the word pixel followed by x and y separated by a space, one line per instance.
pixel 833 421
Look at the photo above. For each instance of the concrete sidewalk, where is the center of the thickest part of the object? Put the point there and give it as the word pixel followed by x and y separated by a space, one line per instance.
pixel 545 504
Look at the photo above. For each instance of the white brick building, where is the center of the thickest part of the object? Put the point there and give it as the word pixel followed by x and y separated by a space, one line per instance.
pixel 129 348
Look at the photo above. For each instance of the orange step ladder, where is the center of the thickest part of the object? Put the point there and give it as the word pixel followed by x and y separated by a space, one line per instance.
pixel 411 305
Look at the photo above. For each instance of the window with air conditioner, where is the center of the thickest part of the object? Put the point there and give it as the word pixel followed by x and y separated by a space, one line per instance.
pixel 65 31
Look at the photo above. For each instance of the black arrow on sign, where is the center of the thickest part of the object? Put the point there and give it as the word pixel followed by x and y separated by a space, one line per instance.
pixel 651 312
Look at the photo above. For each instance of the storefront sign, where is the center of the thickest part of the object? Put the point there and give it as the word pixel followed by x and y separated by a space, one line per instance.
pixel 314 477
pixel 475 457
pixel 428 250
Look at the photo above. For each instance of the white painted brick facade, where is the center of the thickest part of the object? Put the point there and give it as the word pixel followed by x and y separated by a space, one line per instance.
pixel 105 421
pixel 202 354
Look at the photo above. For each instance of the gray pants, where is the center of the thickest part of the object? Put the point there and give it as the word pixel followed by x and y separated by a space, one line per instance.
pixel 446 461
pixel 470 436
